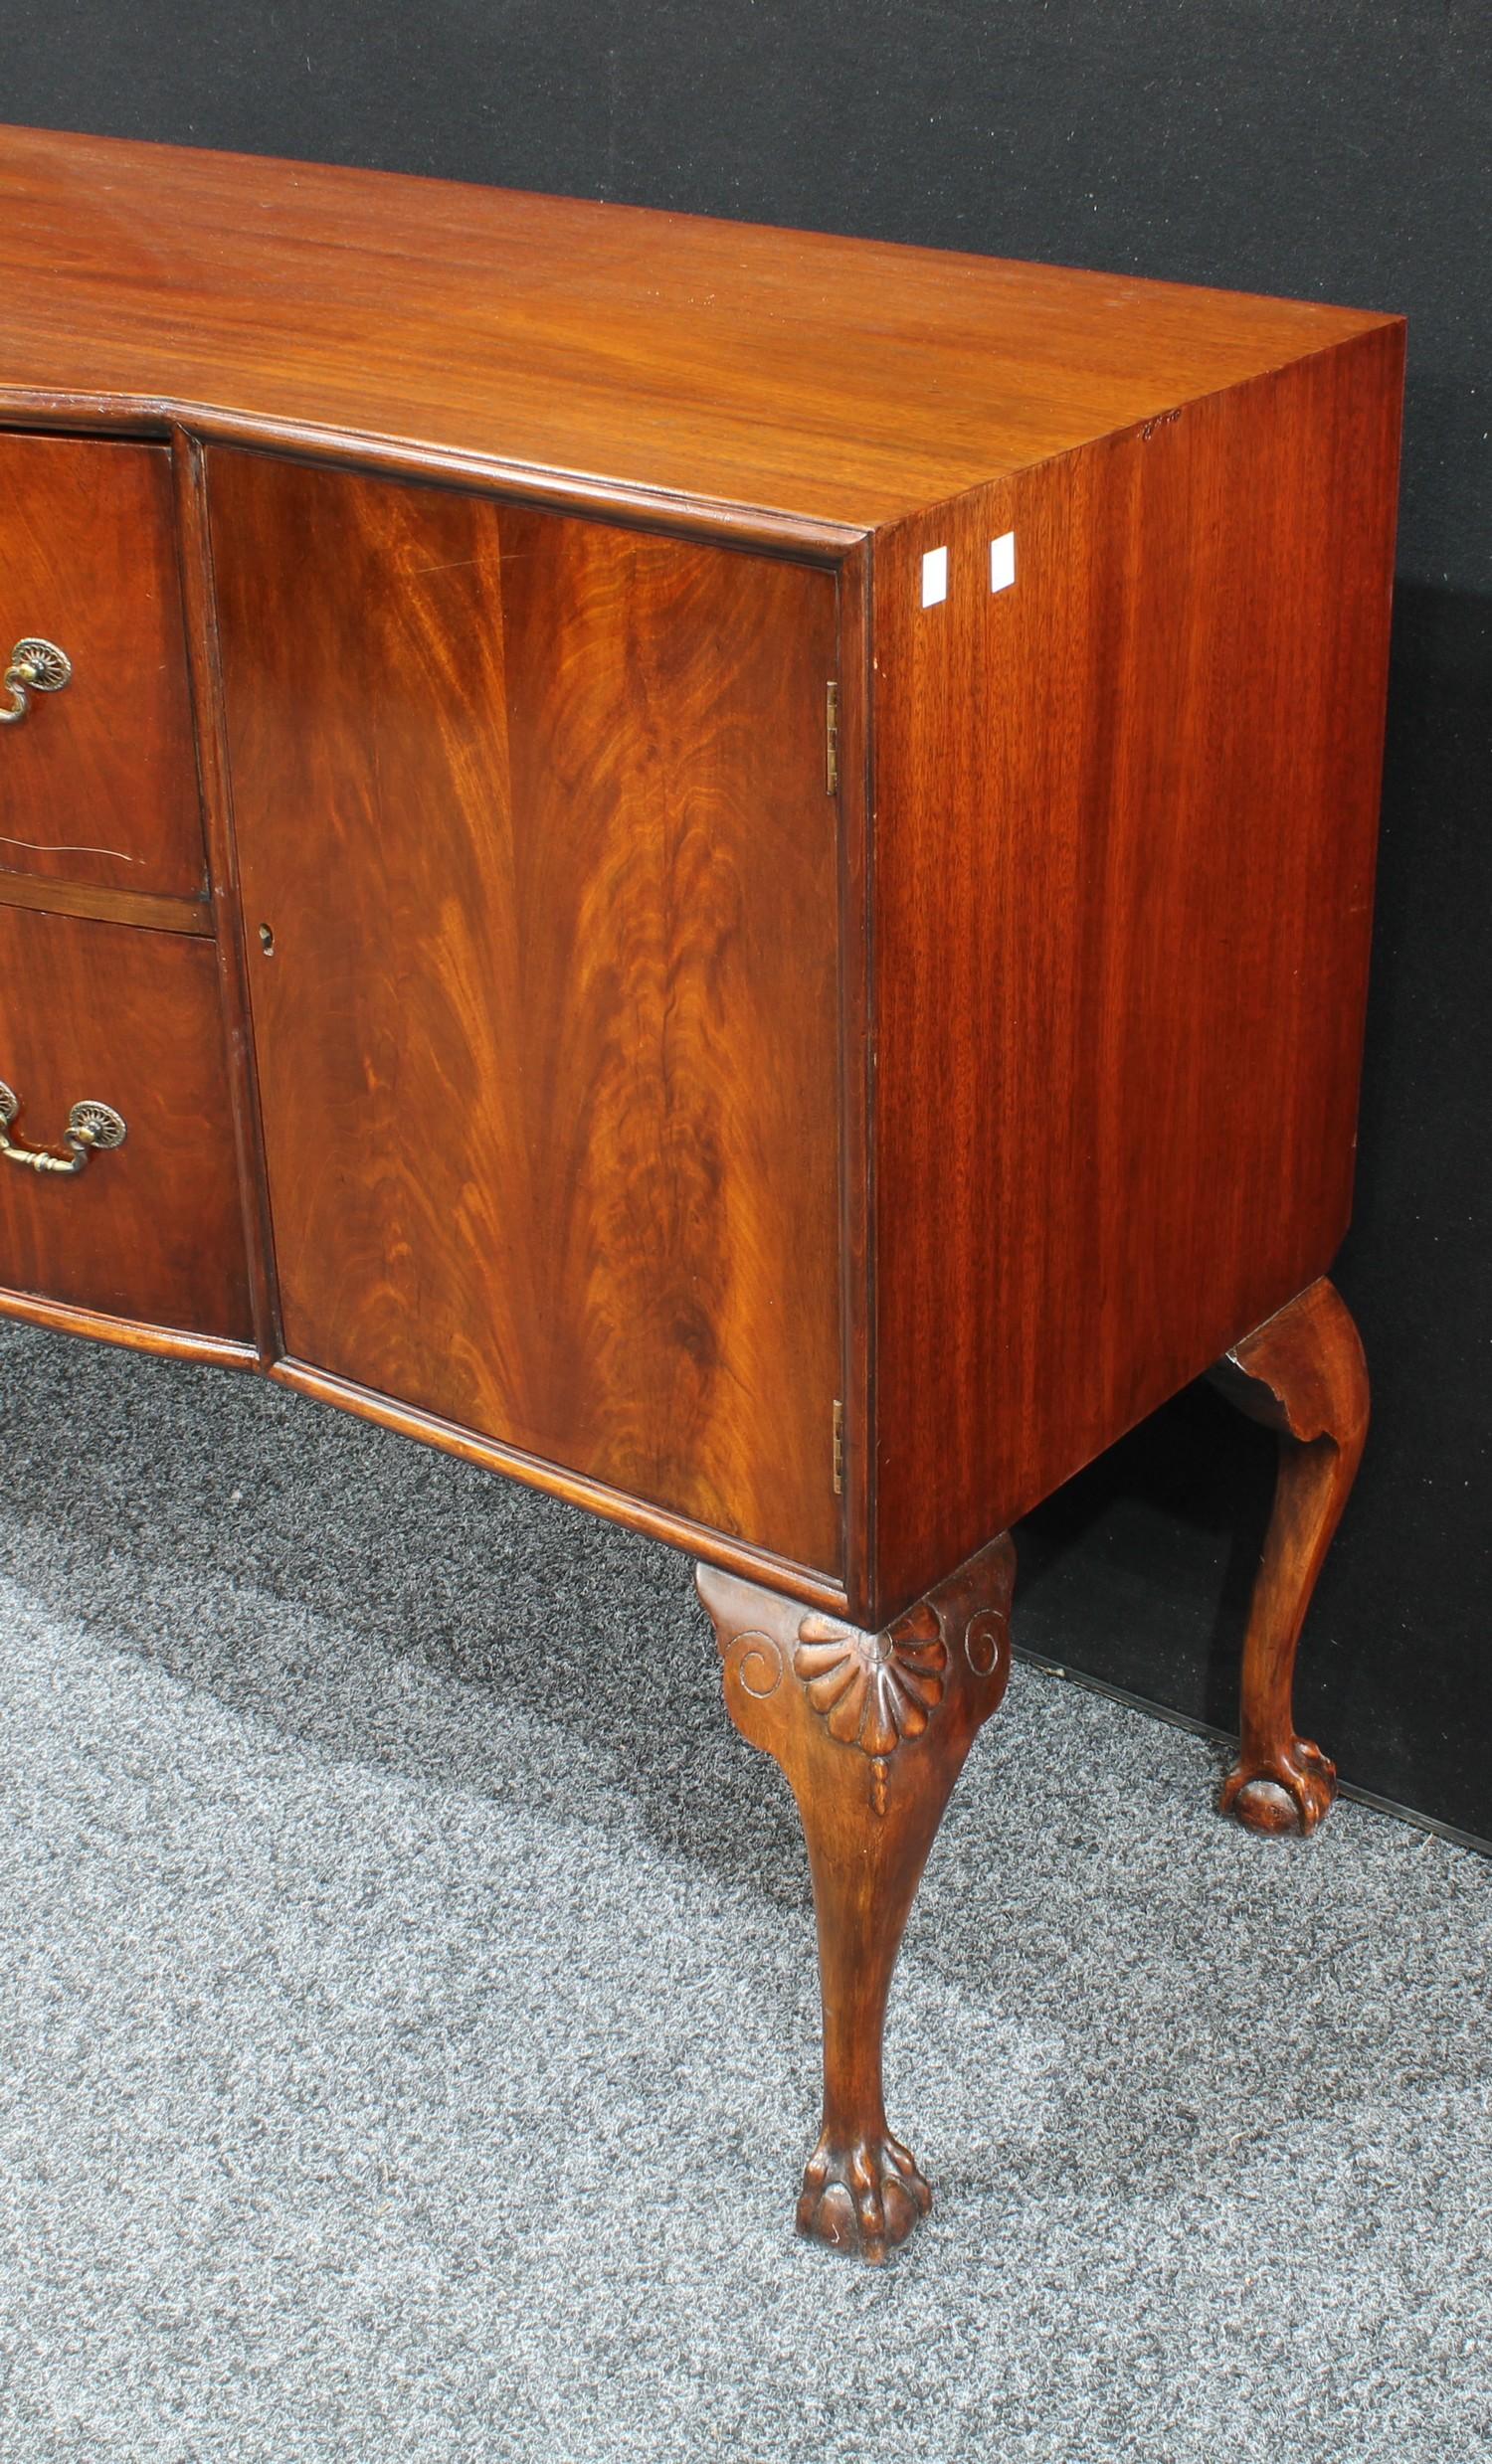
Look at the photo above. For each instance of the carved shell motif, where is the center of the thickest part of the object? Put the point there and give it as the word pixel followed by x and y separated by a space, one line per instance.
pixel 874 1690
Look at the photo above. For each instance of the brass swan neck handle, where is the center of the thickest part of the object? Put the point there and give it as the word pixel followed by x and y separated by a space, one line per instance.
pixel 91 1128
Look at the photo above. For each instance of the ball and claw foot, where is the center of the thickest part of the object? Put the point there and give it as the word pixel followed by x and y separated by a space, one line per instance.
pixel 863 2195
pixel 1302 1375
pixel 1291 1791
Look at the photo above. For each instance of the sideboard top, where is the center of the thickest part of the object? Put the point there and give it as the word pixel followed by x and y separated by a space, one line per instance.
pixel 840 382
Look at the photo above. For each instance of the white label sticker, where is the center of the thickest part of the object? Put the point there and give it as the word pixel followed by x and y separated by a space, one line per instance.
pixel 1003 560
pixel 934 577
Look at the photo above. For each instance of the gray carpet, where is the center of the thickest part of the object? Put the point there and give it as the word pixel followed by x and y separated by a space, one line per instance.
pixel 409 2027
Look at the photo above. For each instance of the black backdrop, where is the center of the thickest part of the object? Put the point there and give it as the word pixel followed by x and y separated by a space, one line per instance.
pixel 1331 148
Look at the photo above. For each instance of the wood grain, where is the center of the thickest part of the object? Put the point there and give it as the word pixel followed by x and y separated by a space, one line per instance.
pixel 1125 837
pixel 110 1013
pixel 69 898
pixel 873 1731
pixel 1303 1376
pixel 857 1069
pixel 99 783
pixel 688 363
pixel 535 812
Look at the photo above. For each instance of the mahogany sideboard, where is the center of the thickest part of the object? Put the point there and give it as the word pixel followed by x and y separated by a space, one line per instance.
pixel 725 869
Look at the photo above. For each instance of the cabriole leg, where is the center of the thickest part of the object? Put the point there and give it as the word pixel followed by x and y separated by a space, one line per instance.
pixel 872 1730
pixel 1302 1374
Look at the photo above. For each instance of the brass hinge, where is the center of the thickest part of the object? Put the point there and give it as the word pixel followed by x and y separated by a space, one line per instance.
pixel 831 740
pixel 838 1450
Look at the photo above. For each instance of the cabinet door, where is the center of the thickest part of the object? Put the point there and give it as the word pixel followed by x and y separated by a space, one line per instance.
pixel 98 778
pixel 539 874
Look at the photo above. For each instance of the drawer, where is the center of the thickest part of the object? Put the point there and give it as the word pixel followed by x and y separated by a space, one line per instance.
pixel 150 1231
pixel 97 777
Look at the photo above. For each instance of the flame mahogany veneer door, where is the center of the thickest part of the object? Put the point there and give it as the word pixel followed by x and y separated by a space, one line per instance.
pixel 535 812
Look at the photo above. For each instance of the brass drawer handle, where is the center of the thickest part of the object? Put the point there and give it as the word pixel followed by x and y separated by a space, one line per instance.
pixel 90 1127
pixel 36 667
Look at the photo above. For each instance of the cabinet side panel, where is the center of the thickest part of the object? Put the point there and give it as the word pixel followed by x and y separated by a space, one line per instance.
pixel 1126 818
